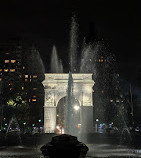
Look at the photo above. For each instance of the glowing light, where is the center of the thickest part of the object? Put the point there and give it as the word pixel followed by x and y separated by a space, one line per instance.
pixel 33 99
pixel 6 61
pixel 33 125
pixel 5 70
pixel 39 120
pixel 24 123
pixel 12 70
pixel 97 120
pixel 117 100
pixel 35 76
pixel 63 131
pixel 79 125
pixel 111 100
pixel 13 61
pixel 0 70
pixel 76 107
pixel 57 127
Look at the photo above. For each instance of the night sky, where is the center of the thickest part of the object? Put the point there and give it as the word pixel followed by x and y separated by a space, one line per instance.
pixel 47 22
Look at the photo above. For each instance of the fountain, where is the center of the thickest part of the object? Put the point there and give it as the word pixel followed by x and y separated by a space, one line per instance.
pixel 13 137
pixel 69 111
pixel 87 63
pixel 56 64
pixel 73 45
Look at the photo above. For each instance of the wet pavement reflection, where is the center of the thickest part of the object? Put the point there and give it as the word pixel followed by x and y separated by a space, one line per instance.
pixel 95 151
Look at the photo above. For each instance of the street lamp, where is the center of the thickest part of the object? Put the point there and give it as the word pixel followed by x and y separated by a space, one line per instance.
pixel 76 107
pixel 96 124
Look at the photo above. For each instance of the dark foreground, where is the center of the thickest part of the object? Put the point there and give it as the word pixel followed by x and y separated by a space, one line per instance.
pixel 99 146
pixel 96 151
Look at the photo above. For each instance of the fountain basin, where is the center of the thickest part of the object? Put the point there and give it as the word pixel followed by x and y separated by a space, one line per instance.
pixel 64 146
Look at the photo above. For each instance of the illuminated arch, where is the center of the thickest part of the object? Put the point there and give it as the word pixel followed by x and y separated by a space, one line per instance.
pixel 55 87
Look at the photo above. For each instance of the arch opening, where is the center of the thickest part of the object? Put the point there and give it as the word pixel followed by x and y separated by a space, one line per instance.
pixel 61 114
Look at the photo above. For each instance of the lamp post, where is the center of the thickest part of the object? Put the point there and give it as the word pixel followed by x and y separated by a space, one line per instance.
pixel 97 124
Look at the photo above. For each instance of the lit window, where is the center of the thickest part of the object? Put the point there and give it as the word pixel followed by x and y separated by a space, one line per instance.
pixel 0 79
pixel 117 100
pixel 26 80
pixel 33 99
pixel 111 100
pixel 29 100
pixel 22 88
pixel 34 96
pixel 35 76
pixel 12 70
pixel 23 67
pixel 0 70
pixel 26 76
pixel 5 70
pixel 6 61
pixel 13 61
pixel 34 88
pixel 30 80
pixel 99 60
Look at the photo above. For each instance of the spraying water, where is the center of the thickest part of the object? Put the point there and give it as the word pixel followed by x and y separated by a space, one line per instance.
pixel 56 64
pixel 69 106
pixel 13 133
pixel 73 44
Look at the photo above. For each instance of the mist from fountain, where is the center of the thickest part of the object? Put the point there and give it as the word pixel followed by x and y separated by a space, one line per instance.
pixel 73 45
pixel 56 64
pixel 13 133
pixel 85 63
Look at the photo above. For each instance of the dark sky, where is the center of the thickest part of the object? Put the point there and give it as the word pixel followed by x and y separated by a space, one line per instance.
pixel 47 22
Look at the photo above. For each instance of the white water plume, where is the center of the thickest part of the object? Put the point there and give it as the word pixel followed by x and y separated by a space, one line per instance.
pixel 56 64
pixel 73 44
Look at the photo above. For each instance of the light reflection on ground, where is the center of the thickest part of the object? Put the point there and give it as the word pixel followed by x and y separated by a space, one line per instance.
pixel 95 151
pixel 107 150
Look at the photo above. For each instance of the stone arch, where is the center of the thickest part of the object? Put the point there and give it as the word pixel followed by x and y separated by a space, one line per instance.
pixel 55 87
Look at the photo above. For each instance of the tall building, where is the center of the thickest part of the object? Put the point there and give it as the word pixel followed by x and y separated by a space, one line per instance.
pixel 21 76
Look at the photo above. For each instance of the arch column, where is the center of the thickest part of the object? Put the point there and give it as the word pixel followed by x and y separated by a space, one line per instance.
pixel 49 110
